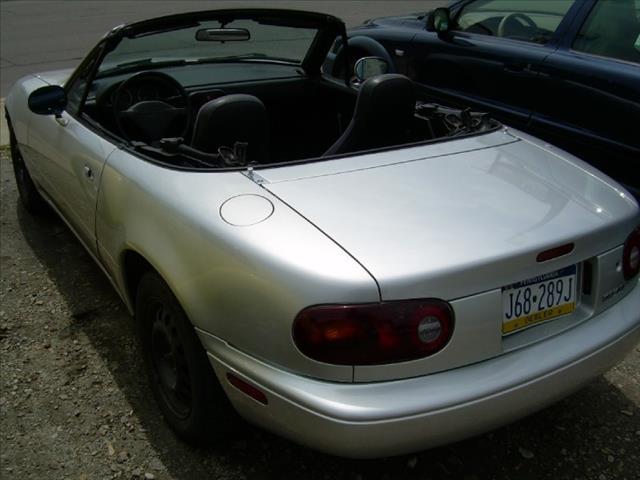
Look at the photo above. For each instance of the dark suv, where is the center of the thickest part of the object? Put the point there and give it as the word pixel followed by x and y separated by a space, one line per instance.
pixel 565 70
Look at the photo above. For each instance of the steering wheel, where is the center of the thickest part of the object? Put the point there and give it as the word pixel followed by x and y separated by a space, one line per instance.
pixel 151 120
pixel 511 22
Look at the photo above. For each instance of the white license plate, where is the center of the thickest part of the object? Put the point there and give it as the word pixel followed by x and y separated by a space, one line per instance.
pixel 538 299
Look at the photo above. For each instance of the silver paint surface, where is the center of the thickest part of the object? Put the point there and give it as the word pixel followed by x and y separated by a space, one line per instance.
pixel 389 418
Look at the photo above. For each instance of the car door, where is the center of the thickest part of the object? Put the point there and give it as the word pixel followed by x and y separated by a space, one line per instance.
pixel 491 57
pixel 70 157
pixel 594 81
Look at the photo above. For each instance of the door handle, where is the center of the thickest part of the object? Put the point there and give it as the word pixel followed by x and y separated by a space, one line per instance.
pixel 522 68
pixel 88 172
pixel 514 67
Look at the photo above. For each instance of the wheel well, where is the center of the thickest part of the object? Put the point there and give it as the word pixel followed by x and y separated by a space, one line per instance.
pixel 12 136
pixel 135 266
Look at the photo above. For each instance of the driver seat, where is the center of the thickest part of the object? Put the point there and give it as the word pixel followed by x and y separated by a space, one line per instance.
pixel 230 119
pixel 383 115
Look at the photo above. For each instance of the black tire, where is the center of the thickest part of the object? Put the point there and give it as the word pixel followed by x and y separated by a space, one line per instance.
pixel 181 376
pixel 29 195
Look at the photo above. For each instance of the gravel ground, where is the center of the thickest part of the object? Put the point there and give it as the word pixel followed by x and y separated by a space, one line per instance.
pixel 74 402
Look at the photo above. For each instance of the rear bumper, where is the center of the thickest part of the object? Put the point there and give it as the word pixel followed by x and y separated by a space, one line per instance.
pixel 395 417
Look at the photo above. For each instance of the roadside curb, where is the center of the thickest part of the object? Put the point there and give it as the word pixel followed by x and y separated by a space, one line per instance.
pixel 4 131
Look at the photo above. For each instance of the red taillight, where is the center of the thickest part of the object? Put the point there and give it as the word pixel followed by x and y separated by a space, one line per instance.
pixel 373 334
pixel 631 255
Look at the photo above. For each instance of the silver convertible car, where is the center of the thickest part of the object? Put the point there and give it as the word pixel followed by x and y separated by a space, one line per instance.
pixel 335 259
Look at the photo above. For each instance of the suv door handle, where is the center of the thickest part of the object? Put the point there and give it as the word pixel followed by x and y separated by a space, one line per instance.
pixel 520 69
pixel 88 172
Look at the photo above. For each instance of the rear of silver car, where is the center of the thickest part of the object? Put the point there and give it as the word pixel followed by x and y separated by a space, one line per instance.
pixel 482 227
pixel 375 419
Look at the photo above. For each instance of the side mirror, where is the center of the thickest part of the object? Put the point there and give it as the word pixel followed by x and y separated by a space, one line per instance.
pixel 439 20
pixel 367 67
pixel 49 100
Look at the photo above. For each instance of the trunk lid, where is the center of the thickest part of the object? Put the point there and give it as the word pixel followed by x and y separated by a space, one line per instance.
pixel 460 217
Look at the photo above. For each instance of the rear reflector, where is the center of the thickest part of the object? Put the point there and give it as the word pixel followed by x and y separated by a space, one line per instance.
pixel 555 252
pixel 631 255
pixel 247 389
pixel 373 334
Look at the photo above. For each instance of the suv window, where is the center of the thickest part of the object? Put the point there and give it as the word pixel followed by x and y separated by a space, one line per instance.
pixel 527 20
pixel 612 29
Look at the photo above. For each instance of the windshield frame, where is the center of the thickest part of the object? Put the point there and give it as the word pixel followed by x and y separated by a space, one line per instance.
pixel 328 28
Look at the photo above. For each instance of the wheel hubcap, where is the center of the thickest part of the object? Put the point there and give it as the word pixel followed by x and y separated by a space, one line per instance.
pixel 169 363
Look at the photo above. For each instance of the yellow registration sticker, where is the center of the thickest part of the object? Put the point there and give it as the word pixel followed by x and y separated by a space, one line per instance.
pixel 538 299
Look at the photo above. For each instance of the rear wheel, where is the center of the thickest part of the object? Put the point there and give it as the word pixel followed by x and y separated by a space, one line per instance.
pixel 29 195
pixel 182 379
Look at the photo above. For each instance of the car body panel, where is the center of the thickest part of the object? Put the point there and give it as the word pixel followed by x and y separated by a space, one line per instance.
pixel 348 279
pixel 368 160
pixel 409 232
pixel 230 279
pixel 71 159
pixel 64 157
pixel 483 70
pixel 56 77
pixel 402 221
pixel 20 116
pixel 586 86
pixel 389 418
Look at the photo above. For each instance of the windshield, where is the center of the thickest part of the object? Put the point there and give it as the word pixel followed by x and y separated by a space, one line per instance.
pixel 267 42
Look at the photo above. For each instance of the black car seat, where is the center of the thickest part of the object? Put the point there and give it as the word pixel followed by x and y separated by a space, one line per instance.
pixel 382 117
pixel 230 119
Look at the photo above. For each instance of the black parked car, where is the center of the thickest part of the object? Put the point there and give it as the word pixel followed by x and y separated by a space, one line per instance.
pixel 565 70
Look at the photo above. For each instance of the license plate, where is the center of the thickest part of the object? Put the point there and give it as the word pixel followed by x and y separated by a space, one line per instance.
pixel 538 299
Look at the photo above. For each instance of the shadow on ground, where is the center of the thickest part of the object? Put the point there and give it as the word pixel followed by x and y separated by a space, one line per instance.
pixel 584 436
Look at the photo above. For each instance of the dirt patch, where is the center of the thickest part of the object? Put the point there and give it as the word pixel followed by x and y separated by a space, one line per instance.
pixel 75 404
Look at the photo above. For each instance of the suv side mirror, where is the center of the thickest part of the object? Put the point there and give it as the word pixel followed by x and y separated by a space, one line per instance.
pixel 49 100
pixel 439 20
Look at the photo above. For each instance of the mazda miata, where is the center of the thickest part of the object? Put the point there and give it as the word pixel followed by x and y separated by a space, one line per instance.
pixel 335 259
